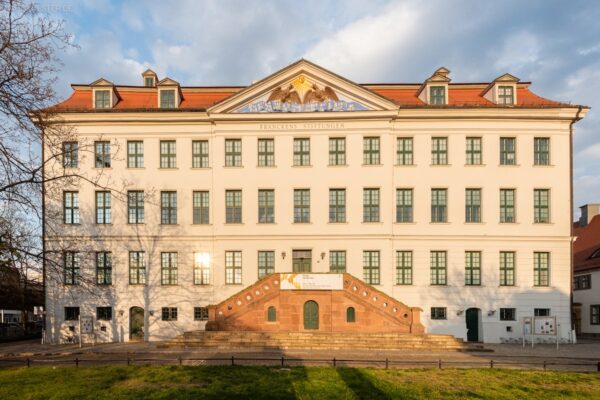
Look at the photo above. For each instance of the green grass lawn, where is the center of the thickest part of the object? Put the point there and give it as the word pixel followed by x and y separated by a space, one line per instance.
pixel 172 382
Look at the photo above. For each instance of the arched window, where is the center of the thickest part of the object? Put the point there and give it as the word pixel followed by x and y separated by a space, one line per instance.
pixel 350 314
pixel 271 314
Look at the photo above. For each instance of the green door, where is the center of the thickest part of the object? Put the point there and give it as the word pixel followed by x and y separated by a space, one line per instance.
pixel 311 315
pixel 302 261
pixel 472 317
pixel 136 323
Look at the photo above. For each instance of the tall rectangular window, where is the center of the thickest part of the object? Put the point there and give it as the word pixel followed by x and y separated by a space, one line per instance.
pixel 102 154
pixel 199 153
pixel 371 267
pixel 102 99
pixel 72 267
pixel 266 152
pixel 472 268
pixel 70 153
pixel 404 205
pixel 233 267
pixel 301 205
pixel 266 206
pixel 337 151
pixel 266 263
pixel 507 268
pixel 135 154
pixel 233 152
pixel 233 206
pixel 506 95
pixel 168 268
pixel 370 205
pixel 200 203
pixel 337 205
pixel 301 261
pixel 439 205
pixel 437 95
pixel 507 205
pixel 168 154
pixel 337 261
pixel 103 268
pixel 438 265
pixel 541 151
pixel 135 206
pixel 371 149
pixel 137 268
pixel 595 314
pixel 404 267
pixel 71 207
pixel 167 98
pixel 472 205
pixel 103 211
pixel 201 269
pixel 168 208
pixel 439 151
pixel 508 146
pixel 301 151
pixel 541 206
pixel 541 269
pixel 473 151
pixel 404 151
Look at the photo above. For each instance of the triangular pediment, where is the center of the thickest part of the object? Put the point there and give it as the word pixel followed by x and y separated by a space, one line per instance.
pixel 507 78
pixel 303 87
pixel 167 82
pixel 102 82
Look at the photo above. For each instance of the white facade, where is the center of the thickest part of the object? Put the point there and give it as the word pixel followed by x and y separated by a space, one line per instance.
pixel 383 120
pixel 587 301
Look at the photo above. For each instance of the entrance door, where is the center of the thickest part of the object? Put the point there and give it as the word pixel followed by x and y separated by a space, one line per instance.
pixel 577 318
pixel 302 261
pixel 311 315
pixel 472 317
pixel 136 323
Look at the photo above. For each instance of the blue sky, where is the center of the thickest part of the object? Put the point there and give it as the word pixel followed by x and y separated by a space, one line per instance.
pixel 554 44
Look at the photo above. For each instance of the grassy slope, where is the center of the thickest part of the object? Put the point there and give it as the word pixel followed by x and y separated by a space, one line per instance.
pixel 141 382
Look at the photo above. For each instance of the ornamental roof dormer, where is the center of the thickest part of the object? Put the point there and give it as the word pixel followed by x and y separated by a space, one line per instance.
pixel 169 93
pixel 434 90
pixel 104 94
pixel 502 90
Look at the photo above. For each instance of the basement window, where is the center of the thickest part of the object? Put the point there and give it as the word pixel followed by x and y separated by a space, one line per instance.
pixel 271 314
pixel 438 313
pixel 350 314
pixel 200 313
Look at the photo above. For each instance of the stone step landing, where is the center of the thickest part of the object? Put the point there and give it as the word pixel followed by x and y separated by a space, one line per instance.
pixel 319 340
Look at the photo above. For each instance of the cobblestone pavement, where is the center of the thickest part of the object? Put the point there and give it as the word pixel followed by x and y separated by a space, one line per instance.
pixel 584 356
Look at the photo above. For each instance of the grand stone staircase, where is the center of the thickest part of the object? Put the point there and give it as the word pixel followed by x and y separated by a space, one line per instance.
pixel 318 340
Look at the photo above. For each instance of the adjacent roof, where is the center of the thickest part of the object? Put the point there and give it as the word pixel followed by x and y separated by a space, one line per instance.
pixel 141 98
pixel 588 241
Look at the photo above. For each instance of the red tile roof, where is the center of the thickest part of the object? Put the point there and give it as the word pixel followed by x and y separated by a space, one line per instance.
pixel 588 241
pixel 143 98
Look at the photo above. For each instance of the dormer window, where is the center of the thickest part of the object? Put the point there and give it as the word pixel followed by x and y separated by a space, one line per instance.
pixel 437 95
pixel 102 99
pixel 149 81
pixel 506 95
pixel 167 98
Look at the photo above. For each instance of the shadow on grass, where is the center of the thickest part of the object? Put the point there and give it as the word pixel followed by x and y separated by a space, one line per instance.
pixel 361 384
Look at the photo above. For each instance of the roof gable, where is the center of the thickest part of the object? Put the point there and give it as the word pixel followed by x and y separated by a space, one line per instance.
pixel 102 82
pixel 303 87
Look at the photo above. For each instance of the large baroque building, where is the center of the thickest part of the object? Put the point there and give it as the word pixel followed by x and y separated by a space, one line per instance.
pixel 451 197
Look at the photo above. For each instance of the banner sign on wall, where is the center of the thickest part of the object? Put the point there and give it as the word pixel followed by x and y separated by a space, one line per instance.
pixel 312 282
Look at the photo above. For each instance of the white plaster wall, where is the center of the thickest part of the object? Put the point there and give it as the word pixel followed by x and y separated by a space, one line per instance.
pixel 587 298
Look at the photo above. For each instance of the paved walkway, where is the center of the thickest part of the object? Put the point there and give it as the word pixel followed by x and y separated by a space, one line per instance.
pixel 503 355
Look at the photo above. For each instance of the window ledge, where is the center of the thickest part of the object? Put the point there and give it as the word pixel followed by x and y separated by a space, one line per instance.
pixel 302 223
pixel 509 165
pixel 439 223
pixel 168 168
pixel 103 168
pixel 338 223
pixel 266 166
pixel 440 165
pixel 474 223
pixel 192 224
pixel 136 223
pixel 543 223
pixel 338 165
pixel 509 223
pixel 372 165
pixel 372 223
pixel 405 165
pixel 266 223
pixel 135 168
pixel 405 223
pixel 169 224
pixel 200 168
pixel 475 165
pixel 233 166
pixel 543 165
pixel 302 166
pixel 234 223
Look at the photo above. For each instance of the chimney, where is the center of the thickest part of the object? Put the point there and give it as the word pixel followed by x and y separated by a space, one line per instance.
pixel 588 212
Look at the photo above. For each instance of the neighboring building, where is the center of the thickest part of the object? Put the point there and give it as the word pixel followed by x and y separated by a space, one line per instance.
pixel 586 272
pixel 451 197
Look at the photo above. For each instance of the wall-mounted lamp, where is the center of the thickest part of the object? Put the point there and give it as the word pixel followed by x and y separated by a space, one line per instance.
pixel 283 255
pixel 491 312
pixel 151 312
pixel 460 312
pixel 121 312
pixel 322 255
